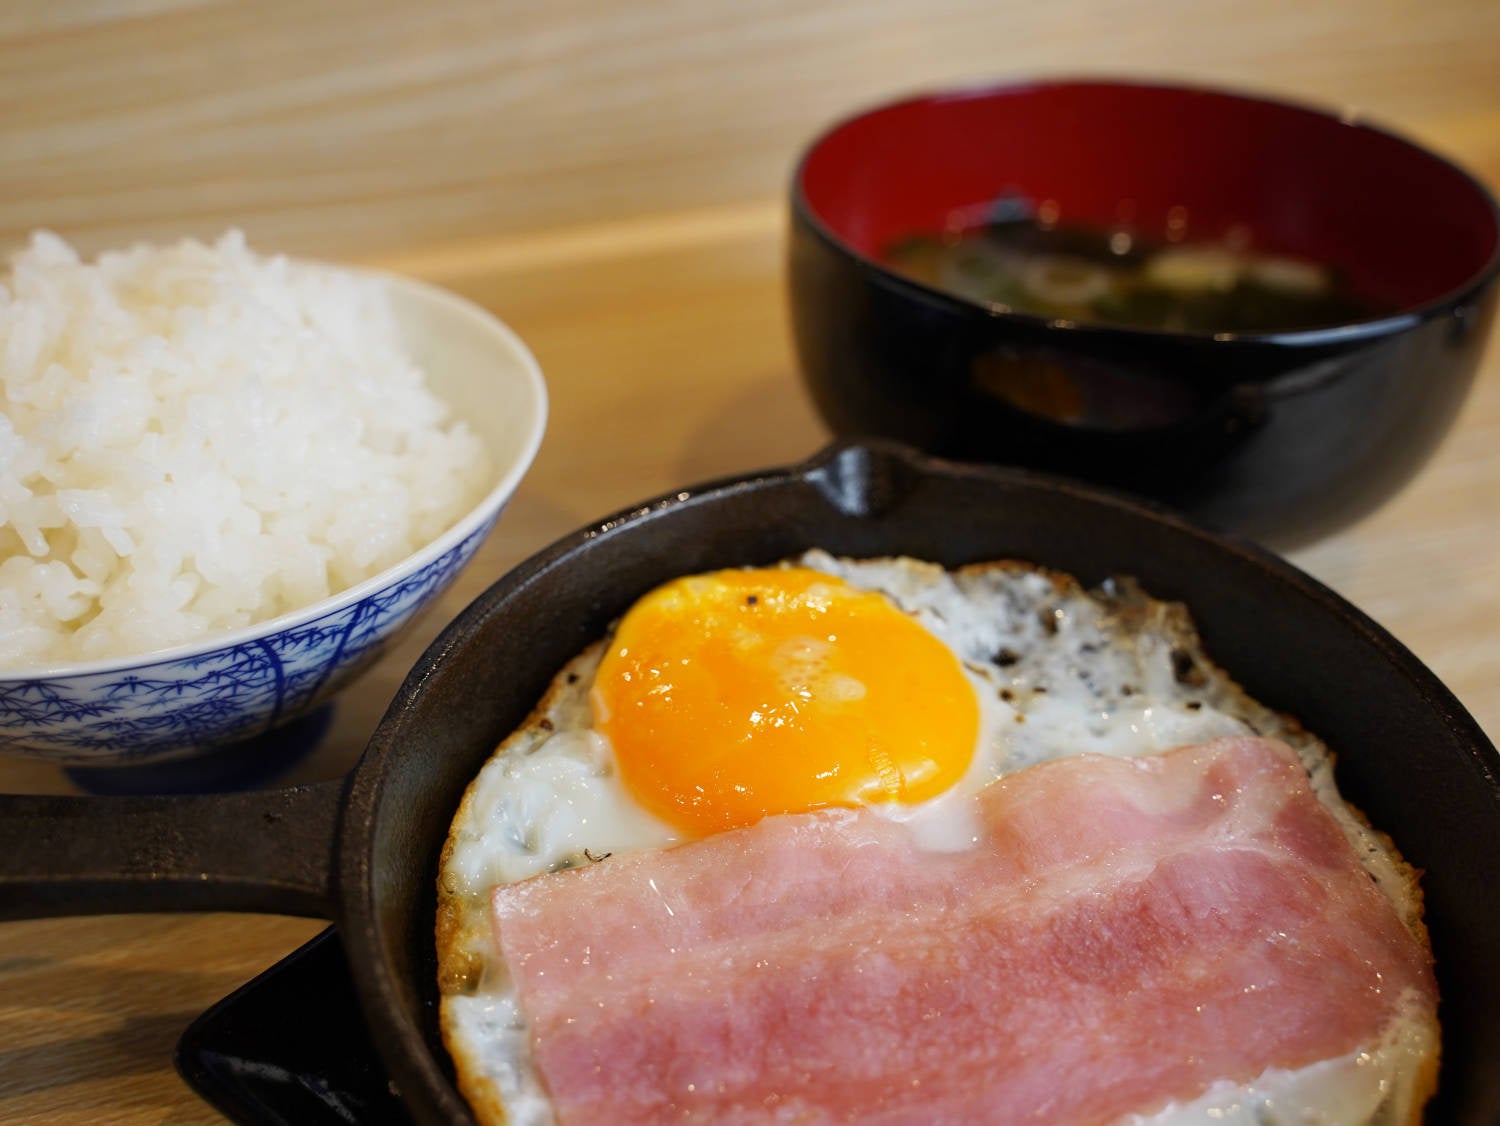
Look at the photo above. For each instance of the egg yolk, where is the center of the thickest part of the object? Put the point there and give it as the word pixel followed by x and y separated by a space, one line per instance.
pixel 737 694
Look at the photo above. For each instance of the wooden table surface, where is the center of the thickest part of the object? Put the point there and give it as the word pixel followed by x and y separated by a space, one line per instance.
pixel 664 339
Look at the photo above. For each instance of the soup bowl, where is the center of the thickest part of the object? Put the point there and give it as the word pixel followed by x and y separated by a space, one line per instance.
pixel 1281 435
pixel 196 699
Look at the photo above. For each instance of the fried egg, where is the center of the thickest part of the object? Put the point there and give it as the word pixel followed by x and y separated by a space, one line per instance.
pixel 731 696
pixel 889 684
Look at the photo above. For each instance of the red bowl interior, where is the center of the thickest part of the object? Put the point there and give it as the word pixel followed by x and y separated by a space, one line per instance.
pixel 1408 227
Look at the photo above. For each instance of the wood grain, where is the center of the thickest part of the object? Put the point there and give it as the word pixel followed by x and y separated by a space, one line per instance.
pixel 342 125
pixel 608 178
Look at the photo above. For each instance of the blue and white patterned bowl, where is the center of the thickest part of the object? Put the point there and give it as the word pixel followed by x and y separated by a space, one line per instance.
pixel 193 699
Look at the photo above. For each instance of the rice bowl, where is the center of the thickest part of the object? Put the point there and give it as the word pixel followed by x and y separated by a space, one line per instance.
pixel 219 664
pixel 197 439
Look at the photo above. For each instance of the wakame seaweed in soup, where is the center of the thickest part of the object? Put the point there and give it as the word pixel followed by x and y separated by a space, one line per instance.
pixel 1077 274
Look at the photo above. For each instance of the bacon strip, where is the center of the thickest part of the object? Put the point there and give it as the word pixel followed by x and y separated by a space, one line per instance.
pixel 1126 932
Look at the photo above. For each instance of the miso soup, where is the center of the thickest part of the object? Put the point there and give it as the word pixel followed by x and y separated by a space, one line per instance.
pixel 1113 278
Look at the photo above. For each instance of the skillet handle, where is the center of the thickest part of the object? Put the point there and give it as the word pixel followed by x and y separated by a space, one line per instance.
pixel 267 851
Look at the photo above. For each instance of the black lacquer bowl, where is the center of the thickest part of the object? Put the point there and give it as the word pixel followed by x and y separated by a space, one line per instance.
pixel 364 851
pixel 1283 436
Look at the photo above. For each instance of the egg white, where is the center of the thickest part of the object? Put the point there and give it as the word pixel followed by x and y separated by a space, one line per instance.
pixel 1057 671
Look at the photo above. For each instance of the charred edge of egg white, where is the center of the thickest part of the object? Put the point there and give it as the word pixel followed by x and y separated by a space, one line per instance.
pixel 523 800
pixel 1060 671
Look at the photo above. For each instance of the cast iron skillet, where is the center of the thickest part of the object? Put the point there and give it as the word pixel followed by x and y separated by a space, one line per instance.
pixel 363 851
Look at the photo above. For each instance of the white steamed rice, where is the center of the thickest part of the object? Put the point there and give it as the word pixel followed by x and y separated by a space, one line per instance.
pixel 196 438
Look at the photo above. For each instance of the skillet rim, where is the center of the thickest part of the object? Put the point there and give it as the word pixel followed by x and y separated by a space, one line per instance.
pixel 415 1064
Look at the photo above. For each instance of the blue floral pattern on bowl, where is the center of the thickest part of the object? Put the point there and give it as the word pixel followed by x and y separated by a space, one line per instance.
pixel 165 709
